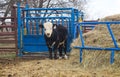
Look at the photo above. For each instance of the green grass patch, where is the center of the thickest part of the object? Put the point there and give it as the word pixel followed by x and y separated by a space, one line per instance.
pixel 8 55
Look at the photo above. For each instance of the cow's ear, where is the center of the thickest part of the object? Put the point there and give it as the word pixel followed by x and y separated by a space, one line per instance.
pixel 54 26
pixel 40 25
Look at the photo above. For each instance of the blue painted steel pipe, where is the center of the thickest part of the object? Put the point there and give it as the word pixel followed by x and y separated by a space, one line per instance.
pixel 19 24
pixel 112 36
pixel 81 37
pixel 36 9
pixel 95 23
pixel 75 31
pixel 97 48
pixel 45 17
pixel 112 56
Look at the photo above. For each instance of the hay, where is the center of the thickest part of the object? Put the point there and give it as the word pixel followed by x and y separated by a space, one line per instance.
pixel 99 37
pixel 115 17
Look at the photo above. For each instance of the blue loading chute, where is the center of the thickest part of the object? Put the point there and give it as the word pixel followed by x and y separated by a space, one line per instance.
pixel 31 36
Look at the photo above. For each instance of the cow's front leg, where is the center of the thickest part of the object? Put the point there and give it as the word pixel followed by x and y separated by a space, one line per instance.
pixel 50 53
pixel 55 51
pixel 55 54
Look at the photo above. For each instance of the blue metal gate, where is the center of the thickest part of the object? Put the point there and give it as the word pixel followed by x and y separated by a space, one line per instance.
pixel 30 35
pixel 83 46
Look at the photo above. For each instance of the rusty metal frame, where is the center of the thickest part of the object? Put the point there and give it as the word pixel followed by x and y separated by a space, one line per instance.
pixel 9 35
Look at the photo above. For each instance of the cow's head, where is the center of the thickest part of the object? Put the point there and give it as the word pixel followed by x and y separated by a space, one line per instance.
pixel 48 28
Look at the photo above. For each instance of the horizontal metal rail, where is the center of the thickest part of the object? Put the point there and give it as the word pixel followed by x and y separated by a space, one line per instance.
pixel 58 13
pixel 46 17
pixel 7 34
pixel 6 17
pixel 97 48
pixel 95 23
pixel 7 48
pixel 7 26
pixel 37 9
pixel 7 41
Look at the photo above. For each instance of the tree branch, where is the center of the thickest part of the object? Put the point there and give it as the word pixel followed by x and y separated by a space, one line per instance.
pixel 4 4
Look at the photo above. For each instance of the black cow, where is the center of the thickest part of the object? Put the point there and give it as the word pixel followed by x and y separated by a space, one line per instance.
pixel 56 39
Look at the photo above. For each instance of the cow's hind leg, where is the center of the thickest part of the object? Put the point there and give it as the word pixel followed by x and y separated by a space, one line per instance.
pixel 65 50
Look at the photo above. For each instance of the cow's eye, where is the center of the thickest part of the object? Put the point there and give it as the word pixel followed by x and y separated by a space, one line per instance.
pixel 45 29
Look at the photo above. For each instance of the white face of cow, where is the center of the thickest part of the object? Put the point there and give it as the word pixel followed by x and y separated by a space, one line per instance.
pixel 48 29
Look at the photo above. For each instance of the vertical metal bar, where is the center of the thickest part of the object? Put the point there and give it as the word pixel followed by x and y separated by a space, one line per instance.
pixel 37 27
pixel 112 57
pixel 112 35
pixel 19 24
pixel 23 22
pixel 22 36
pixel 27 23
pixel 75 31
pixel 81 55
pixel 68 26
pixel 72 22
pixel 15 28
pixel 58 22
pixel 82 41
pixel 81 37
pixel 42 28
pixel 63 22
pixel 78 16
pixel 52 21
pixel 19 21
pixel 32 26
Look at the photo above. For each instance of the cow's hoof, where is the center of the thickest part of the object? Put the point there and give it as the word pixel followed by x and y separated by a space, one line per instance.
pixel 55 58
pixel 50 57
pixel 65 57
pixel 60 57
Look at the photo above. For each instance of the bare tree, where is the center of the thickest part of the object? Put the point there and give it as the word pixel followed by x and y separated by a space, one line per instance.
pixel 78 4
pixel 6 5
pixel 6 10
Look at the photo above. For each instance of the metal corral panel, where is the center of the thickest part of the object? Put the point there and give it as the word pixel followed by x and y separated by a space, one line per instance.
pixel 34 43
pixel 31 35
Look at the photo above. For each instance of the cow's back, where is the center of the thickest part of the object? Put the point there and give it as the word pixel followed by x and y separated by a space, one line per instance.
pixel 62 32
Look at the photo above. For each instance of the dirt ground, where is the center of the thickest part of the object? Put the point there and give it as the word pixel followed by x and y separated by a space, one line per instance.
pixel 44 67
